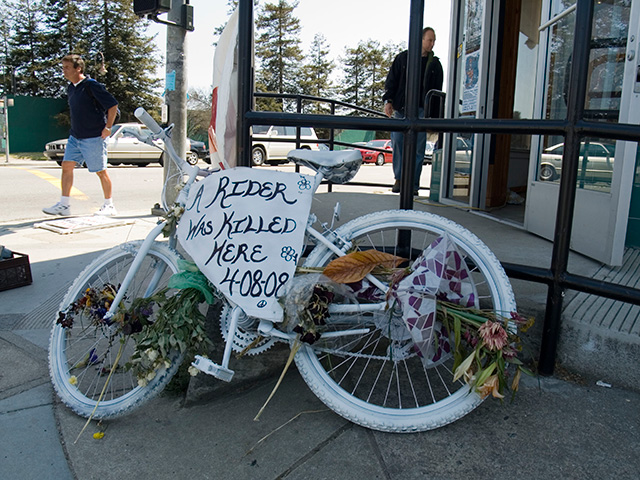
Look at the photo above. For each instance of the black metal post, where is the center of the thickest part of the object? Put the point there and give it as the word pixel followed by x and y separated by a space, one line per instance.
pixel 245 80
pixel 412 104
pixel 566 200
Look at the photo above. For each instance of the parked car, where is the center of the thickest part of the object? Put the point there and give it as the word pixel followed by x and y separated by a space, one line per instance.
pixel 464 152
pixel 375 156
pixel 428 153
pixel 267 147
pixel 596 160
pixel 125 147
pixel 380 158
pixel 197 151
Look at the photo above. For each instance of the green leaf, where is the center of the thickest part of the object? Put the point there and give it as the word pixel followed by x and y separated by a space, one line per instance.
pixel 484 374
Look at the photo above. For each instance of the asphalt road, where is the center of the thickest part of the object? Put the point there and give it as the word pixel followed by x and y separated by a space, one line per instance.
pixel 26 186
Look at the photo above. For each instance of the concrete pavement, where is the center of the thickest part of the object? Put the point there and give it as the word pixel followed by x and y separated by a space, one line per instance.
pixel 561 427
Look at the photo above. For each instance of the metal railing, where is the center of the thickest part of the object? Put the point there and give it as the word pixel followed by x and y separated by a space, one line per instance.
pixel 574 128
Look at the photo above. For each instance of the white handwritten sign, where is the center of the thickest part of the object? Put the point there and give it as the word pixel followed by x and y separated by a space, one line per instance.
pixel 244 228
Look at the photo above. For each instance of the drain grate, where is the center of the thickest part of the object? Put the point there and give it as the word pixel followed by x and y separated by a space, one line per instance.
pixel 44 315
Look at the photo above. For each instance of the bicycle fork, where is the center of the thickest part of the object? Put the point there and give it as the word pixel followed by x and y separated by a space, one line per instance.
pixel 135 265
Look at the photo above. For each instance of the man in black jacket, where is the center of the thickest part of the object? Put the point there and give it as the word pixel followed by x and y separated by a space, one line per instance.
pixel 394 101
pixel 93 111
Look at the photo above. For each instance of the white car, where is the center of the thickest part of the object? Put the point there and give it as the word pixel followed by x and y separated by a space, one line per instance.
pixel 268 147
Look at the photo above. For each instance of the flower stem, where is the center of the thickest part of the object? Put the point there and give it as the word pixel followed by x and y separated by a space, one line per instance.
pixel 104 389
pixel 294 349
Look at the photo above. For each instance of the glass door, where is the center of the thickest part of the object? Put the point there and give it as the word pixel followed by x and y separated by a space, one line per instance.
pixel 464 170
pixel 601 187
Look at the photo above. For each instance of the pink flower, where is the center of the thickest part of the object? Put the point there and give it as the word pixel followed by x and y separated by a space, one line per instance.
pixel 493 335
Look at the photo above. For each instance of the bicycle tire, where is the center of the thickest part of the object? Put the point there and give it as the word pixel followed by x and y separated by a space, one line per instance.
pixel 338 372
pixel 71 349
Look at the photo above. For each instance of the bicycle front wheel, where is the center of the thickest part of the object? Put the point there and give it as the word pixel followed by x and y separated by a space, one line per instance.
pixel 377 380
pixel 83 355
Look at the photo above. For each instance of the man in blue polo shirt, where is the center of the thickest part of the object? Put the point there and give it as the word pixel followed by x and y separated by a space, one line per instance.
pixel 93 111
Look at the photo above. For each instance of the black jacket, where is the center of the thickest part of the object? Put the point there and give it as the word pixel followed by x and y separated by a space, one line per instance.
pixel 395 84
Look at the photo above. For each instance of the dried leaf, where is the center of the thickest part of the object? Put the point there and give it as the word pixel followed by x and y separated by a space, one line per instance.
pixel 354 266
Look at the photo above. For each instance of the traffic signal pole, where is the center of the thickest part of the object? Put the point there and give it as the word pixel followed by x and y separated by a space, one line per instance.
pixel 176 91
pixel 179 21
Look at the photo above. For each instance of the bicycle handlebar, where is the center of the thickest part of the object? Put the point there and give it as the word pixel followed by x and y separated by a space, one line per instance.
pixel 142 115
pixel 191 171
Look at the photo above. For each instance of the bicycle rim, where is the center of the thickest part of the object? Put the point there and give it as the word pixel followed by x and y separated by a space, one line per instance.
pixel 82 358
pixel 377 380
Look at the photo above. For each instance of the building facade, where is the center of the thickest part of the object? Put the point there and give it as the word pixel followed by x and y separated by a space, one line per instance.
pixel 511 59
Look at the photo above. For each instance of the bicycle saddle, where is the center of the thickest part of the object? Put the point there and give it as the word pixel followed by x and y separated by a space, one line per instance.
pixel 335 166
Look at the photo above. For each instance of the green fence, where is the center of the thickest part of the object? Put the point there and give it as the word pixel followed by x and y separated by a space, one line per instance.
pixel 32 123
pixel 354 136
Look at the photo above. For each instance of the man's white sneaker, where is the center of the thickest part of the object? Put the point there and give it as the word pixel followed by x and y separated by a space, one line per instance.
pixel 58 209
pixel 107 211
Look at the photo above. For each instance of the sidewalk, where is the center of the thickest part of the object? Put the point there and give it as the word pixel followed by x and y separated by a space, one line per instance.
pixel 560 427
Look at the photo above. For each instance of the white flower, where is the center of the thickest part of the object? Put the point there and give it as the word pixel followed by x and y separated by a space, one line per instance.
pixel 152 354
pixel 464 367
pixel 151 375
pixel 167 364
pixel 73 380
pixel 193 371
pixel 142 382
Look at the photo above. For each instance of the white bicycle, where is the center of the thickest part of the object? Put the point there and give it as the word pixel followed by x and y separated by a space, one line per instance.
pixel 362 363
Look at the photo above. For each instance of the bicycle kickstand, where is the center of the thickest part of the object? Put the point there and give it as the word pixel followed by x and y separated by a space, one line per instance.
pixel 221 372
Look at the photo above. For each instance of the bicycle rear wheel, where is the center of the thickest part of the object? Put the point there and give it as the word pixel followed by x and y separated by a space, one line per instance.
pixel 82 355
pixel 377 380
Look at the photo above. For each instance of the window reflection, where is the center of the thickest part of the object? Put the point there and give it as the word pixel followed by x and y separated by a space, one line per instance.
pixel 604 91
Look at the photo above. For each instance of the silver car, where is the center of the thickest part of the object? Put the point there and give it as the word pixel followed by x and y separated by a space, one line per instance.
pixel 268 147
pixel 124 146
pixel 595 164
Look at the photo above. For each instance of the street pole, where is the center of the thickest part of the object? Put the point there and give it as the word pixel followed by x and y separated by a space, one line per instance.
pixel 5 107
pixel 176 92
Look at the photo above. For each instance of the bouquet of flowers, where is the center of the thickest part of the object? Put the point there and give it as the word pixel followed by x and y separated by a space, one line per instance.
pixel 437 302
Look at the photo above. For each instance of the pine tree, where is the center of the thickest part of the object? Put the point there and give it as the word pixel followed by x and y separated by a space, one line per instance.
pixel 365 70
pixel 278 50
pixel 376 73
pixel 24 59
pixel 41 32
pixel 354 74
pixel 5 79
pixel 316 73
pixel 62 26
pixel 114 31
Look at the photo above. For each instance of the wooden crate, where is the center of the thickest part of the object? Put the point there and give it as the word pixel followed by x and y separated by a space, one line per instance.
pixel 15 272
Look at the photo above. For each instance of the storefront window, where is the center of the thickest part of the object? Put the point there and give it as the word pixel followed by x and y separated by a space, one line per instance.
pixel 469 58
pixel 604 90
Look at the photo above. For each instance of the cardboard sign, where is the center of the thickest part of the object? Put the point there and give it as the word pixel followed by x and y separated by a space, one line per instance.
pixel 244 228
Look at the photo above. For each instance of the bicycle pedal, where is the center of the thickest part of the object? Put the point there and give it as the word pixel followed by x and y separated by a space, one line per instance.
pixel 207 366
